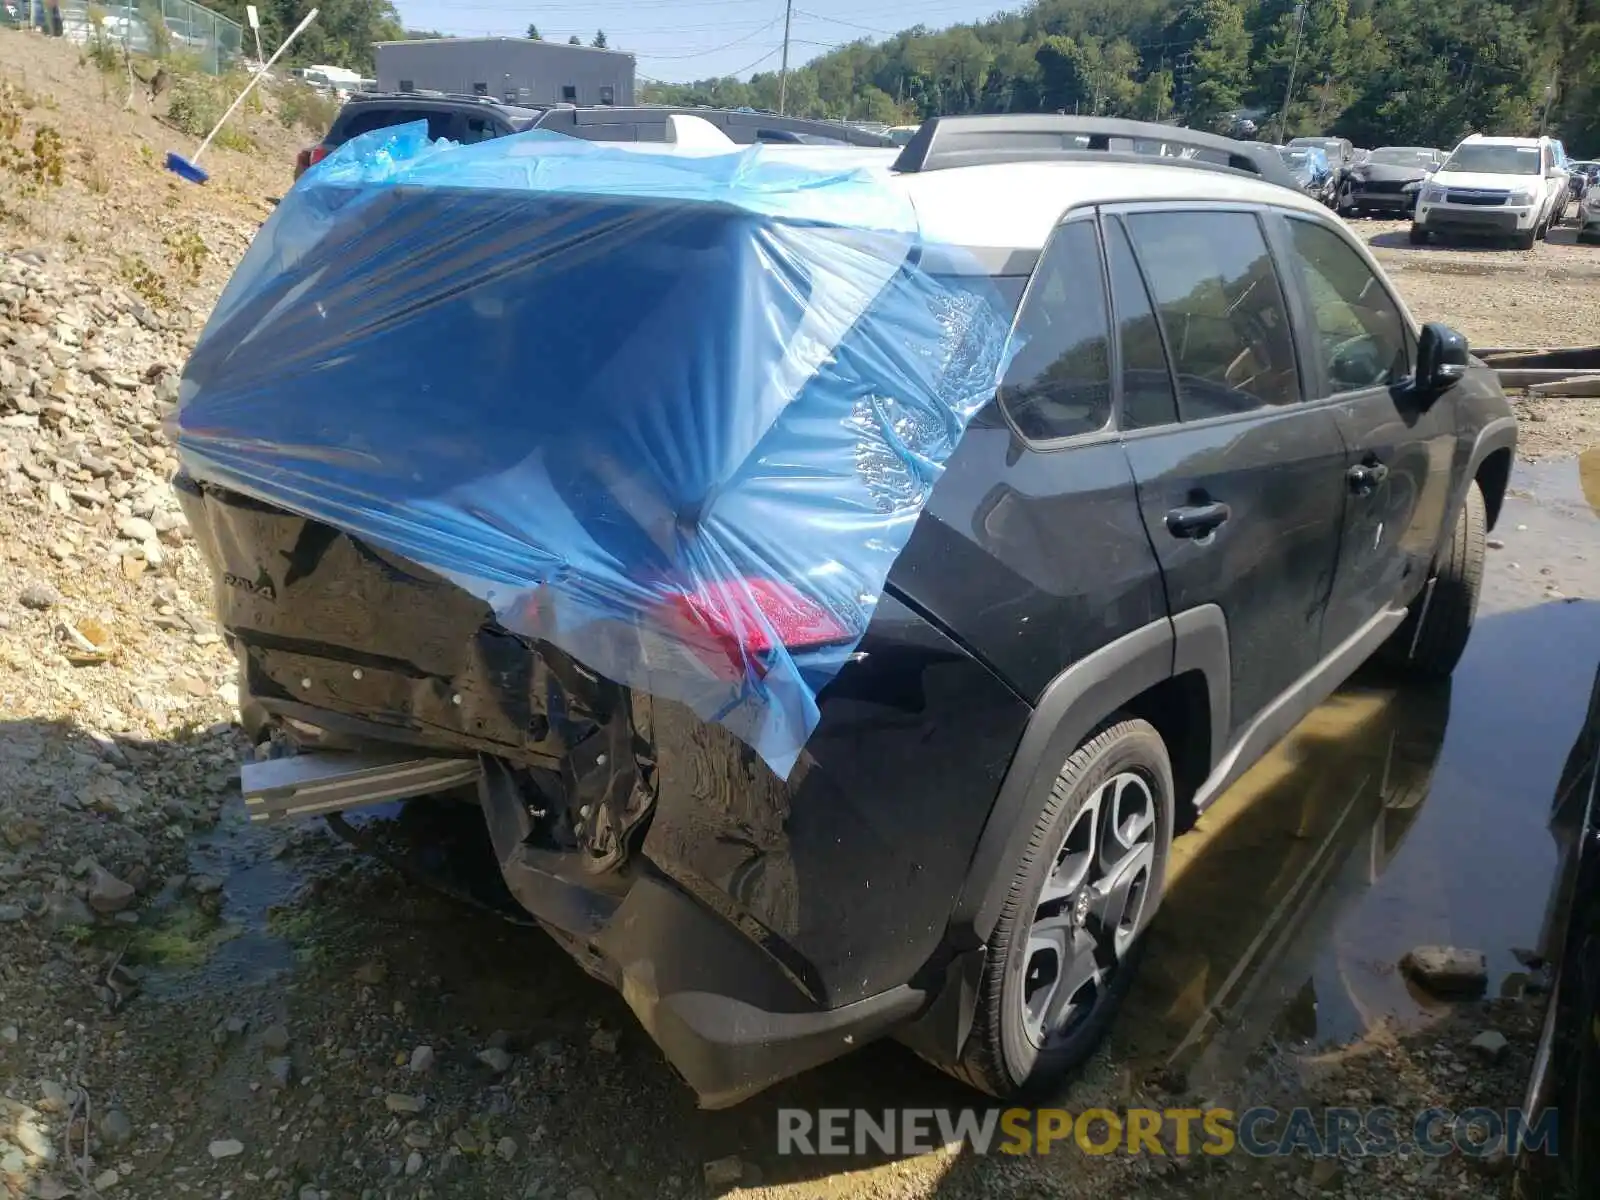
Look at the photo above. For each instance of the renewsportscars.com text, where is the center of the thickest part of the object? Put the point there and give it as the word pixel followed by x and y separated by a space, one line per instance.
pixel 1261 1132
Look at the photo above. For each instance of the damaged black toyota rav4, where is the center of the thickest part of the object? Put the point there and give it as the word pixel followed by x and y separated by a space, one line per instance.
pixel 1222 467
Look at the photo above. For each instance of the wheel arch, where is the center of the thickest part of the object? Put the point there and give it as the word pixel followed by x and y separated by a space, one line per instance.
pixel 1174 673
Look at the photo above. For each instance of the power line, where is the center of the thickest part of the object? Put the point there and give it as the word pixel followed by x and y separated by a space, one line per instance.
pixel 714 49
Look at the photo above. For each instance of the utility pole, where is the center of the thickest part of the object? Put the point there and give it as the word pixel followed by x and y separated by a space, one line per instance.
pixel 783 71
pixel 1294 62
pixel 1549 94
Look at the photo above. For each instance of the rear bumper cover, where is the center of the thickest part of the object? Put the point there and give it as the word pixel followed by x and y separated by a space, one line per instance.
pixel 727 1016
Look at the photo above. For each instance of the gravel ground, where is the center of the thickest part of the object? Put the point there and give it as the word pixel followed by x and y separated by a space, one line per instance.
pixel 189 1006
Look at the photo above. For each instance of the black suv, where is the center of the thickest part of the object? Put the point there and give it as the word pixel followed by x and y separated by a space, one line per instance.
pixel 1225 468
pixel 469 119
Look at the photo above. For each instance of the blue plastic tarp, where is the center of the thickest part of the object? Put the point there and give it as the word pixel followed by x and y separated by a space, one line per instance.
pixel 674 413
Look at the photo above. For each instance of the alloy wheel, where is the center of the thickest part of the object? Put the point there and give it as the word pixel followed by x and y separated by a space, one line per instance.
pixel 1088 910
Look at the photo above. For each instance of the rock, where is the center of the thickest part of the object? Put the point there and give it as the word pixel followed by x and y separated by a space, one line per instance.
pixel 225 1148
pixel 11 913
pixel 115 1127
pixel 724 1172
pixel 506 1148
pixel 399 1102
pixel 582 1193
pixel 106 1179
pixel 1490 1045
pixel 107 893
pixel 10 1035
pixel 52 1096
pixel 413 1162
pixel 605 1041
pixel 275 1039
pixel 371 973
pixel 1325 1172
pixel 496 1059
pixel 47 1188
pixel 310 1193
pixel 40 597
pixel 136 529
pixel 1447 971
pixel 63 912
pixel 281 1070
pixel 422 1060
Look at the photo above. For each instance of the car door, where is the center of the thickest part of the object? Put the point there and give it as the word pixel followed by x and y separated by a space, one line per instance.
pixel 1031 548
pixel 1243 493
pixel 1398 451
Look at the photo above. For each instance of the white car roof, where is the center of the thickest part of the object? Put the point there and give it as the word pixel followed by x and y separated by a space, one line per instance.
pixel 1018 205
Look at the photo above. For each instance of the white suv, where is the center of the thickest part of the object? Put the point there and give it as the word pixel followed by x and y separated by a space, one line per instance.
pixel 1500 186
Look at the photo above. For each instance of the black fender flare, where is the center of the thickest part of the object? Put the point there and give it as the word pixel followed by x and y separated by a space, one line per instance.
pixel 1069 709
pixel 1498 434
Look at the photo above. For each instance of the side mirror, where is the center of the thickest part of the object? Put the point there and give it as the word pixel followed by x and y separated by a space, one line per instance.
pixel 1441 359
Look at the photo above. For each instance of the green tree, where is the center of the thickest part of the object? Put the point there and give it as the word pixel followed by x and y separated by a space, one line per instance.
pixel 599 42
pixel 574 40
pixel 1221 60
pixel 533 33
pixel 1063 85
pixel 1154 101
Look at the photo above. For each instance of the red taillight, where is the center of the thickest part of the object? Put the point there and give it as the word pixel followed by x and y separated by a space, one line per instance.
pixel 307 159
pixel 733 622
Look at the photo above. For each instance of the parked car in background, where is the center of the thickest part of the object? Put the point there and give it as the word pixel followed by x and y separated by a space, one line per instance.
pixel 1312 171
pixel 1582 178
pixel 1389 179
pixel 470 119
pixel 1225 467
pixel 1341 156
pixel 1504 187
pixel 1589 211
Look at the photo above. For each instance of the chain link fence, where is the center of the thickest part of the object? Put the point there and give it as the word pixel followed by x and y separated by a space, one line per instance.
pixel 156 27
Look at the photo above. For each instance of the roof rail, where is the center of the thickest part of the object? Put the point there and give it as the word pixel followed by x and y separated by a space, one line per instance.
pixel 943 142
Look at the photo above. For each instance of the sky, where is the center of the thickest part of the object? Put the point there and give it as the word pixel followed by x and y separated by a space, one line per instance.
pixel 680 40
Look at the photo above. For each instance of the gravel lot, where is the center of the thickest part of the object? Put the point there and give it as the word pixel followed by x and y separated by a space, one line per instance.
pixel 192 1007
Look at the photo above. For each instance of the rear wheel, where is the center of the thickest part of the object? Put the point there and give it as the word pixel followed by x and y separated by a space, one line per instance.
pixel 1068 939
pixel 1419 235
pixel 1430 642
pixel 1524 241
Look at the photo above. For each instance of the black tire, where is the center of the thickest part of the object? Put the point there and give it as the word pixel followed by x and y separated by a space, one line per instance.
pixel 1419 235
pixel 1447 614
pixel 1525 241
pixel 1001 1057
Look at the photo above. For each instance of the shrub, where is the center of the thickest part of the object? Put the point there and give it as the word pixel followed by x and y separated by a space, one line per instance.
pixel 302 105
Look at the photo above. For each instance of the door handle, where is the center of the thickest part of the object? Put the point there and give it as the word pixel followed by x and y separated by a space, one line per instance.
pixel 1364 477
pixel 1197 520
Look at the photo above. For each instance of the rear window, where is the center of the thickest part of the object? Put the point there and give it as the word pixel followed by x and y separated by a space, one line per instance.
pixel 366 119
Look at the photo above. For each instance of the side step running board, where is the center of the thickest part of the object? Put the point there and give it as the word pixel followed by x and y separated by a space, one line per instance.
pixel 306 785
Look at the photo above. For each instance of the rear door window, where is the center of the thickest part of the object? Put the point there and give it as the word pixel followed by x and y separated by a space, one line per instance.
pixel 1221 308
pixel 1059 383
pixel 440 124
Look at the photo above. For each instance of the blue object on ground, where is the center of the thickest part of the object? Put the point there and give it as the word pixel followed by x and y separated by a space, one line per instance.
pixel 674 413
pixel 179 165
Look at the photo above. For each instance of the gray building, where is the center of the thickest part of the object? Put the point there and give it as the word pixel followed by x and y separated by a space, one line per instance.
pixel 513 69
